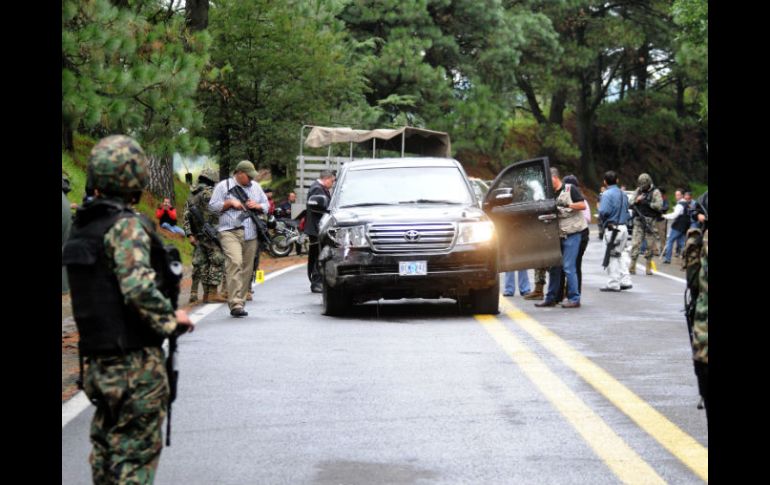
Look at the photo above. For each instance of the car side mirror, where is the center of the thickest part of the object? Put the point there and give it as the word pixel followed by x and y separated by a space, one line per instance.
pixel 318 203
pixel 499 197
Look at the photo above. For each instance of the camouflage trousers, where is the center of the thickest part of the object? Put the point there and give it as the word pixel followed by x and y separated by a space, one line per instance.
pixel 540 276
pixel 700 329
pixel 208 264
pixel 131 393
pixel 653 239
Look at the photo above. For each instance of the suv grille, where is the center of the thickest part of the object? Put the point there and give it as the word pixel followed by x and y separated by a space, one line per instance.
pixel 427 236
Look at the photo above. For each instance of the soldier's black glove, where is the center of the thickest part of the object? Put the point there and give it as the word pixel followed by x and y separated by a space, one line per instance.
pixel 183 328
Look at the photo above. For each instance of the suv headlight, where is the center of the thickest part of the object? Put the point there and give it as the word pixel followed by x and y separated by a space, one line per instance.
pixel 475 232
pixel 349 237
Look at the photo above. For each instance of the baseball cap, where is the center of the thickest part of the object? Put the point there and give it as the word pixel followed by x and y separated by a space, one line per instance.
pixel 247 167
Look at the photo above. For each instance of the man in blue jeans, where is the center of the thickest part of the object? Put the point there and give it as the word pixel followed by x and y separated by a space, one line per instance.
pixel 509 288
pixel 570 204
pixel 679 225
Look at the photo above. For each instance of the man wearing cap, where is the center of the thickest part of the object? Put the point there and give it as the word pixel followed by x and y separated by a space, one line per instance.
pixel 237 232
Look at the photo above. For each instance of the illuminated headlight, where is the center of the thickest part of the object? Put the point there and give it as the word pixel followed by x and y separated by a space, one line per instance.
pixel 350 237
pixel 475 232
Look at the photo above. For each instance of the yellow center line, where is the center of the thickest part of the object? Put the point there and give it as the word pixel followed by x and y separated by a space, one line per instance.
pixel 624 462
pixel 684 447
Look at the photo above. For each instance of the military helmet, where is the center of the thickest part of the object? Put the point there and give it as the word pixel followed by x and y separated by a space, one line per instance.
pixel 644 180
pixel 118 166
pixel 209 174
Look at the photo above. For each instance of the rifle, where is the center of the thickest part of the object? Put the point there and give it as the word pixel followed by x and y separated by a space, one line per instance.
pixel 200 227
pixel 610 245
pixel 239 193
pixel 641 218
pixel 169 286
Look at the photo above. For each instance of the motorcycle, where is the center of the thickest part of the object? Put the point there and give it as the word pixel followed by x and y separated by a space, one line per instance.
pixel 287 234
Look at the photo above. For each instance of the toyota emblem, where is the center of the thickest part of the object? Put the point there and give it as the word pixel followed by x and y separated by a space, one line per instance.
pixel 412 235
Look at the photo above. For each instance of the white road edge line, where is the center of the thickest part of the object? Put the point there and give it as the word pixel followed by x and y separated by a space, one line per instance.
pixel 642 269
pixel 79 402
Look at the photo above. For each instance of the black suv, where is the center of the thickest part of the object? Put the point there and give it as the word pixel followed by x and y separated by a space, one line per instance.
pixel 412 228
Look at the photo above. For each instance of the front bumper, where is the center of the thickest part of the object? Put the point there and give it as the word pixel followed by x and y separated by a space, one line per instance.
pixel 365 275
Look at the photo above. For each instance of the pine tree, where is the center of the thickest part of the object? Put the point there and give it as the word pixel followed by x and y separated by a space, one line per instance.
pixel 132 69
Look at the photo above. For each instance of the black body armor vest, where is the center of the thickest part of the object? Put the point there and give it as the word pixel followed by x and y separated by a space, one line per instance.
pixel 644 206
pixel 105 323
pixel 682 222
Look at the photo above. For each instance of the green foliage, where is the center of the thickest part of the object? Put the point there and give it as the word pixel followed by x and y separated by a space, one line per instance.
pixel 477 122
pixel 698 189
pixel 642 115
pixel 507 79
pixel 124 73
pixel 693 17
pixel 525 138
pixel 283 71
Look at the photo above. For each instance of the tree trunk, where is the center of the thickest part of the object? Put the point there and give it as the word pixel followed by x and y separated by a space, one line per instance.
pixel 532 100
pixel 278 170
pixel 67 142
pixel 680 98
pixel 197 14
pixel 161 177
pixel 224 152
pixel 680 111
pixel 558 104
pixel 642 60
pixel 585 131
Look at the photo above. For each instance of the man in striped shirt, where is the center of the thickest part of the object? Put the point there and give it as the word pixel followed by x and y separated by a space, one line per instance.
pixel 237 232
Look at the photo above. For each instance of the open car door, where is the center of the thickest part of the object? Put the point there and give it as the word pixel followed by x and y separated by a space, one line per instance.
pixel 521 204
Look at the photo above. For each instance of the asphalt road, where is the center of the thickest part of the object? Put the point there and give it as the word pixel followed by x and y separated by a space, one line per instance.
pixel 413 392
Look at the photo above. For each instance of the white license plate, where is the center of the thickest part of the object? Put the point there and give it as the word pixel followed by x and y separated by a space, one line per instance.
pixel 412 268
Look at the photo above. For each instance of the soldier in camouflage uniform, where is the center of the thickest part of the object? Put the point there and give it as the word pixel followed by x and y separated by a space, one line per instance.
pixel 649 202
pixel 122 316
pixel 700 328
pixel 208 260
pixel 196 260
pixel 695 264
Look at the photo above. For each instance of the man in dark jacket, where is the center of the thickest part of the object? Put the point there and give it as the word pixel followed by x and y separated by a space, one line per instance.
pixel 322 186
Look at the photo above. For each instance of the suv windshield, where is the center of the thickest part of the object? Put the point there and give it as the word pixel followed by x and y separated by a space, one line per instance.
pixel 404 185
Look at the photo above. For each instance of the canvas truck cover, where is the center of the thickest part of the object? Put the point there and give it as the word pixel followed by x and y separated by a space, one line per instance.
pixel 418 141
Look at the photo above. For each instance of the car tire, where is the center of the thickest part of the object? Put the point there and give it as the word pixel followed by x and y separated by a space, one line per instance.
pixel 486 301
pixel 335 301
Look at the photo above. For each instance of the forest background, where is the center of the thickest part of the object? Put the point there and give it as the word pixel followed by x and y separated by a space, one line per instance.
pixel 593 85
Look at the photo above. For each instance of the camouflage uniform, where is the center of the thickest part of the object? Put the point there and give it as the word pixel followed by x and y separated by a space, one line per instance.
pixel 700 328
pixel 129 388
pixel 651 235
pixel 208 259
pixel 197 262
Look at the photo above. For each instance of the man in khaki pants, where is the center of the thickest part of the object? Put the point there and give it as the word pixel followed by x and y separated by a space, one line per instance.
pixel 237 232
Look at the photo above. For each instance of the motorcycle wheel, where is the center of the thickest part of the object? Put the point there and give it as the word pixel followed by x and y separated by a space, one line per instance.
pixel 279 246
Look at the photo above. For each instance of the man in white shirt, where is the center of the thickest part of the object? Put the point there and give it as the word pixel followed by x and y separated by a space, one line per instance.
pixel 238 232
pixel 679 225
